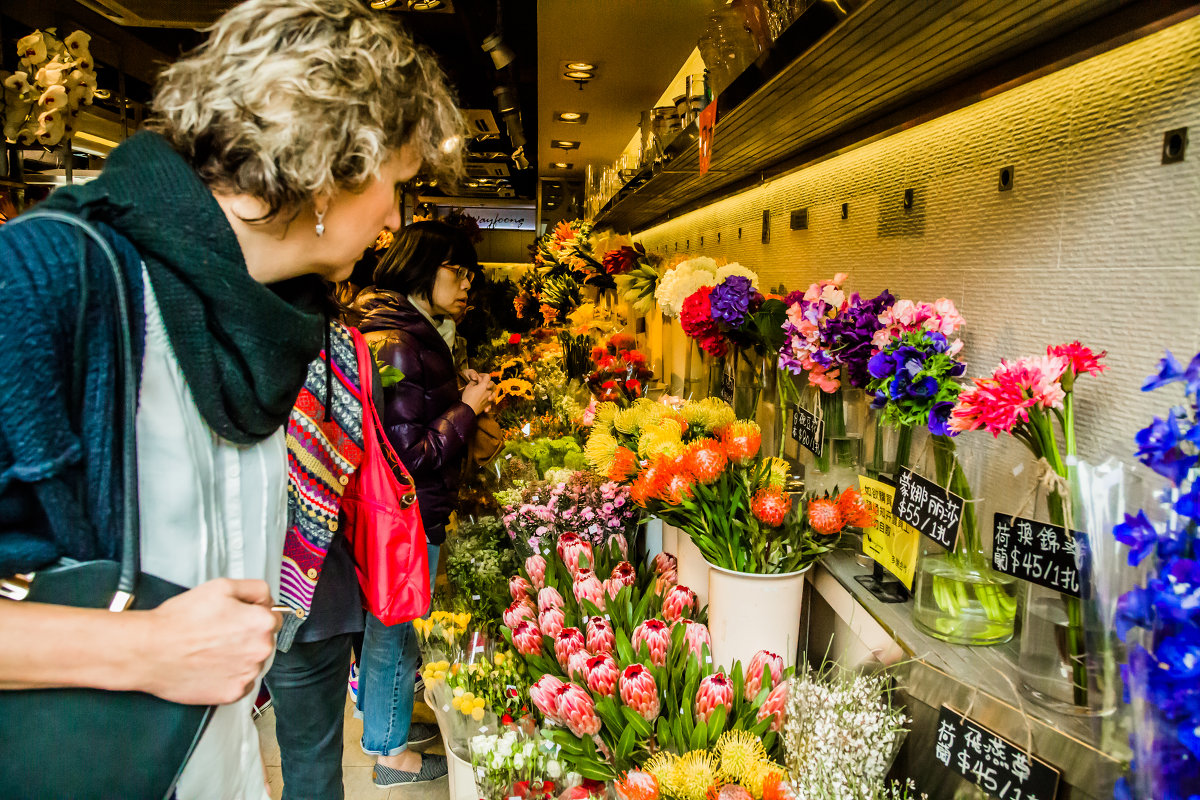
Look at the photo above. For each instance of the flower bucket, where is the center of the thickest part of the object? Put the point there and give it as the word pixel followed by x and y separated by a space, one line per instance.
pixel 748 613
pixel 461 776
pixel 692 567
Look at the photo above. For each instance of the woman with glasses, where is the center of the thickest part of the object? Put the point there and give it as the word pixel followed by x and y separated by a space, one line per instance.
pixel 421 286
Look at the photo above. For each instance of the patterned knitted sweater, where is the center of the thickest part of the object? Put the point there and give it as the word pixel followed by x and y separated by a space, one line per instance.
pixel 325 447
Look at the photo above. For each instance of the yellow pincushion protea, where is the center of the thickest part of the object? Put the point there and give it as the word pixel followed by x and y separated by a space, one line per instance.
pixel 695 772
pixel 599 451
pixel 638 416
pixel 666 438
pixel 662 766
pixel 603 420
pixel 740 755
pixel 710 413
pixel 778 475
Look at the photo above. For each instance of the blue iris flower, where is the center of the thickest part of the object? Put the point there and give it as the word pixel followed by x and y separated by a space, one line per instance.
pixel 1133 611
pixel 1138 534
pixel 1169 371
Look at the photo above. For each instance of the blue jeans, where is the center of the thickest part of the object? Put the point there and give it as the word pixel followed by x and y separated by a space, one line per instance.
pixel 385 680
pixel 308 692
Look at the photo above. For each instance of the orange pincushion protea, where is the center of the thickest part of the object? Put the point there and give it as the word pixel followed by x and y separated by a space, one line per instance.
pixel 624 464
pixel 642 489
pixel 676 488
pixel 705 459
pixel 770 506
pixel 854 511
pixel 637 785
pixel 742 440
pixel 824 516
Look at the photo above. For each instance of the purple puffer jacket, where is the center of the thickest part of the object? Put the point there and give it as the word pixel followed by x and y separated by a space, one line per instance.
pixel 424 416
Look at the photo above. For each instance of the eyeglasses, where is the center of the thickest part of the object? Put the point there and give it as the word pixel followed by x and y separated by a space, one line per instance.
pixel 460 273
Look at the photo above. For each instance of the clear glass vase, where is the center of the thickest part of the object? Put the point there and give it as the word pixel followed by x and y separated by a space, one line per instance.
pixel 841 459
pixel 959 598
pixel 748 383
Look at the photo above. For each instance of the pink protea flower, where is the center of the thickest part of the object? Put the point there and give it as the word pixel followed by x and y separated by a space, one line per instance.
pixel 548 597
pixel 696 635
pixel 527 638
pixel 535 568
pixel 639 691
pixel 776 706
pixel 577 710
pixel 577 665
pixel 715 690
pixel 664 582
pixel 679 602
pixel 588 587
pixel 518 587
pixel 565 541
pixel 621 544
pixel 624 574
pixel 551 621
pixel 600 636
pixel 517 611
pixel 568 641
pixel 664 563
pixel 754 672
pixel 602 674
pixel 657 637
pixel 544 693
pixel 578 555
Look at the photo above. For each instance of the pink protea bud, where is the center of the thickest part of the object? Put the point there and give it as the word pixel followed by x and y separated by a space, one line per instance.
pixel 577 665
pixel 565 541
pixel 715 690
pixel 602 674
pixel 679 602
pixel 517 611
pixel 664 563
pixel 568 641
pixel 611 588
pixel 578 556
pixel 600 636
pixel 518 587
pixel 527 638
pixel 624 574
pixel 754 672
pixel 664 582
pixel 588 587
pixel 696 635
pixel 551 621
pixel 577 710
pixel 621 545
pixel 535 568
pixel 657 637
pixel 639 691
pixel 548 597
pixel 776 706
pixel 544 693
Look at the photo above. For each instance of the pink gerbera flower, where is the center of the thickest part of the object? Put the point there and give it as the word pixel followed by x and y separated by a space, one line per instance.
pixel 1002 401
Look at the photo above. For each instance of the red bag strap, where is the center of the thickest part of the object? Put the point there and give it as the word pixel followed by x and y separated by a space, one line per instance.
pixel 371 421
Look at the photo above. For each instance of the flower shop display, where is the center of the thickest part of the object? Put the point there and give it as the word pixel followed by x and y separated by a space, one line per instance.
pixel 620 374
pixel 54 77
pixel 479 558
pixel 1159 619
pixel 841 736
pixel 737 766
pixel 1032 399
pixel 637 280
pixel 515 764
pixel 687 370
pixel 599 512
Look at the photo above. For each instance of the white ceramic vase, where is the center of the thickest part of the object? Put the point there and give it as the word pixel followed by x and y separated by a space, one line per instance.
pixel 692 567
pixel 748 613
pixel 460 774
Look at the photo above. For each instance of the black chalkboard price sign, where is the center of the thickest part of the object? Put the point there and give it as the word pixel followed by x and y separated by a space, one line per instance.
pixel 927 507
pixel 993 763
pixel 807 430
pixel 1037 552
pixel 727 387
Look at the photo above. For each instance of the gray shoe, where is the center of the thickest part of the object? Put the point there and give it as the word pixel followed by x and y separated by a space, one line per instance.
pixel 422 733
pixel 433 767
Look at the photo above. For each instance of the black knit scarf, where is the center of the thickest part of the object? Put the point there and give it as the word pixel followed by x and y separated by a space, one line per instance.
pixel 244 348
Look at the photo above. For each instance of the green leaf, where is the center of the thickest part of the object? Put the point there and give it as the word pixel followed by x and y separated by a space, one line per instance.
pixel 637 722
pixel 762 726
pixel 699 739
pixel 716 725
pixel 606 707
pixel 625 745
pixel 389 375
pixel 624 648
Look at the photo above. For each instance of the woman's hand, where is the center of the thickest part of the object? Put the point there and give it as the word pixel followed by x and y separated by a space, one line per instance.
pixel 478 393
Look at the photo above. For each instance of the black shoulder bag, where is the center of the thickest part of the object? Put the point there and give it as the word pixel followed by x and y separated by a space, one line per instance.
pixel 79 744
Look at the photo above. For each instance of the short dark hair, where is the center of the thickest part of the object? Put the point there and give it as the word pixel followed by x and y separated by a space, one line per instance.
pixel 411 264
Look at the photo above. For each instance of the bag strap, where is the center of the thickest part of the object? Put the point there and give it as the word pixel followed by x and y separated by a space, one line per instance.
pixel 371 421
pixel 130 540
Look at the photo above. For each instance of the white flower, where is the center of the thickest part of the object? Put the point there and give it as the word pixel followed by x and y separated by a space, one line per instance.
pixel 553 769
pixel 729 270
pixel 700 263
pixel 678 283
pixel 518 761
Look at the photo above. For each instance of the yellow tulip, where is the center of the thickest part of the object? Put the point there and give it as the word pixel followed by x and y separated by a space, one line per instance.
pixel 477 714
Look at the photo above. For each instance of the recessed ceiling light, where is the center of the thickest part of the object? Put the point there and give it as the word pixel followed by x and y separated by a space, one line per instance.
pixel 577 75
pixel 473 184
pixel 561 165
pixel 564 144
pixel 569 116
pixel 582 66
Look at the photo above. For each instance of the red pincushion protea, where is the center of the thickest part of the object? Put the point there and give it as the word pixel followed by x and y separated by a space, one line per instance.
pixel 656 636
pixel 770 506
pixel 679 602
pixel 578 556
pixel 775 706
pixel 544 693
pixel 535 568
pixel 551 621
pixel 823 516
pixel 518 587
pixel 639 691
pixel 602 674
pixel 568 641
pixel 577 665
pixel 854 511
pixel 664 562
pixel 624 464
pixel 600 636
pixel 588 587
pixel 706 460
pixel 549 598
pixel 577 710
pixel 527 638
pixel 742 440
pixel 761 660
pixel 517 611
pixel 715 690
pixel 696 635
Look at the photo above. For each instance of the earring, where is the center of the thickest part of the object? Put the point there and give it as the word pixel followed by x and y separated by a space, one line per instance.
pixel 320 228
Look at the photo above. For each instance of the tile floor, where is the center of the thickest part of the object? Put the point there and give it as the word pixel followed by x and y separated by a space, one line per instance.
pixel 356 766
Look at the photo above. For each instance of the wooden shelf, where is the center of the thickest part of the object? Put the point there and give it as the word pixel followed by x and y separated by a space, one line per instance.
pixel 827 85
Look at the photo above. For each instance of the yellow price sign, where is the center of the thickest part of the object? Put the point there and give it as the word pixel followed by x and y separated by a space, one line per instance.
pixel 892 543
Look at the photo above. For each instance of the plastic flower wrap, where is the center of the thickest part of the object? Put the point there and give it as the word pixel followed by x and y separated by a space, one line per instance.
pixel 515 764
pixel 733 315
pixel 681 281
pixel 479 559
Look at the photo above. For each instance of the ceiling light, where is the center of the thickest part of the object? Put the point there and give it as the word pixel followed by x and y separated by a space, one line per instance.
pixel 561 165
pixel 571 117
pixel 578 75
pixel 424 5
pixel 564 144
pixel 473 184
pixel 581 66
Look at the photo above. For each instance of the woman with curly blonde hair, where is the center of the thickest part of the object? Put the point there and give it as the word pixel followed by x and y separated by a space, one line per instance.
pixel 274 158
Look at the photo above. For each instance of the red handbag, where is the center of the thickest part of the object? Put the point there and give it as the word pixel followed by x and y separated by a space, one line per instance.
pixel 382 521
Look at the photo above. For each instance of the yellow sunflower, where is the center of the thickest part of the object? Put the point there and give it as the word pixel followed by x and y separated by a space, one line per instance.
pixel 515 387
